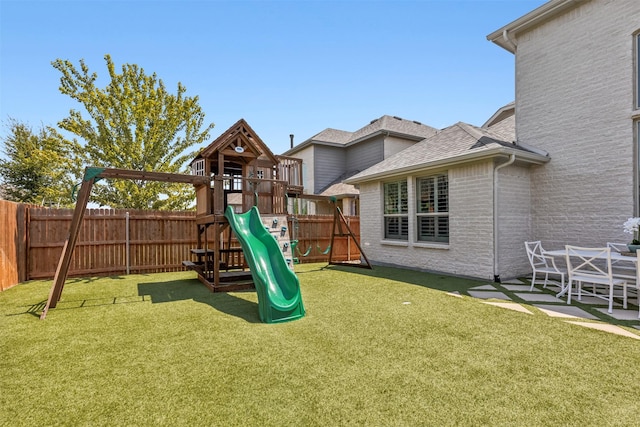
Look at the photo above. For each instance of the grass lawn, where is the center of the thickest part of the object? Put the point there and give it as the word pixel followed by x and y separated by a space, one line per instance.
pixel 386 347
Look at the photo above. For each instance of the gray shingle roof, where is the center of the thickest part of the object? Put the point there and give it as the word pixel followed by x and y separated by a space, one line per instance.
pixel 450 143
pixel 341 189
pixel 505 128
pixel 332 135
pixel 392 124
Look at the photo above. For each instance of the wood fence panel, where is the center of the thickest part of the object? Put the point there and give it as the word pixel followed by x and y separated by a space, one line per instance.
pixel 13 238
pixel 31 241
pixel 313 233
pixel 158 241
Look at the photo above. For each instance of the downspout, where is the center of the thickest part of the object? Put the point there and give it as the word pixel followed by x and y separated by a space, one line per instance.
pixel 496 252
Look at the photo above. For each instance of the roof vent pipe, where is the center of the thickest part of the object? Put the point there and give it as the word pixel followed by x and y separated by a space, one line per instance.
pixel 291 138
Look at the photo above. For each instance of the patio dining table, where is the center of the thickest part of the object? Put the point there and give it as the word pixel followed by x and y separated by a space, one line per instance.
pixel 615 256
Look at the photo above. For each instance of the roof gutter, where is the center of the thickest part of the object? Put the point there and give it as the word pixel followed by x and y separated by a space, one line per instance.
pixel 496 240
pixel 504 36
pixel 532 158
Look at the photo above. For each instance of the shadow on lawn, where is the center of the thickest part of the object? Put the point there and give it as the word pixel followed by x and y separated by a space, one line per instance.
pixel 462 285
pixel 180 290
pixel 436 281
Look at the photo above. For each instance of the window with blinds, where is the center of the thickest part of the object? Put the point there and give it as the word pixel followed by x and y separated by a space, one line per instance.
pixel 396 210
pixel 432 205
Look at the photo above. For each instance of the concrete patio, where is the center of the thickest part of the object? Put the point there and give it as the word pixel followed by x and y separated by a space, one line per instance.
pixel 590 312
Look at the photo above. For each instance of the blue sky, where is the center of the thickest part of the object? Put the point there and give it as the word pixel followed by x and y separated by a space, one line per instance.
pixel 284 66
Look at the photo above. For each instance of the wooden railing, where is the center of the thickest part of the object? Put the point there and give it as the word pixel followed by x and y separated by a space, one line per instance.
pixel 290 171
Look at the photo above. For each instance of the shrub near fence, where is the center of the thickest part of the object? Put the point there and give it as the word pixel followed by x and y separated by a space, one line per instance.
pixel 31 241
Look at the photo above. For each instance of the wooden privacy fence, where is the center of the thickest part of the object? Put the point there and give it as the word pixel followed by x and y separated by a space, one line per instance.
pixel 13 244
pixel 313 233
pixel 113 242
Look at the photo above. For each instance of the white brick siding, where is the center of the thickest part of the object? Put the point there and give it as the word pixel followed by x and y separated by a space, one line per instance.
pixel 514 220
pixel 574 99
pixel 470 248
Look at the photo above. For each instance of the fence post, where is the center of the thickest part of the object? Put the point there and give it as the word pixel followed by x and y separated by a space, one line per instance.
pixel 126 217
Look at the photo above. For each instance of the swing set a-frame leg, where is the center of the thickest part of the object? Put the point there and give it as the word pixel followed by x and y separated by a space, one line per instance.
pixel 67 250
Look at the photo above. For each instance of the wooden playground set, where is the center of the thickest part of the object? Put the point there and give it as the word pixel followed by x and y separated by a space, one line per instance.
pixel 237 171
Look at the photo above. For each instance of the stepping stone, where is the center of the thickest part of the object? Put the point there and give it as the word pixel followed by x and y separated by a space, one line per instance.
pixel 621 314
pixel 607 328
pixel 520 288
pixel 514 282
pixel 566 311
pixel 489 295
pixel 509 306
pixel 538 297
pixel 484 288
pixel 594 301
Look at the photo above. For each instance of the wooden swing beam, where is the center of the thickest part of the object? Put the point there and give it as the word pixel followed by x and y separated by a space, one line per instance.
pixel 92 175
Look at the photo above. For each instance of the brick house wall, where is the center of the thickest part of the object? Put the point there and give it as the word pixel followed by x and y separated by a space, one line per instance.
pixel 470 248
pixel 574 99
pixel 514 220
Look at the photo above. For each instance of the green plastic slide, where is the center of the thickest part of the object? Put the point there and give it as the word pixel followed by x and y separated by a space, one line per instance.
pixel 278 288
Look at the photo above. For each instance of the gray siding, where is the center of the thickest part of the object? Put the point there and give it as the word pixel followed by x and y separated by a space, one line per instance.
pixel 329 165
pixel 365 154
pixel 394 145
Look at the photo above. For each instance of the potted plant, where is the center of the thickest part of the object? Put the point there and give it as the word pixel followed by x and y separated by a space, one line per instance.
pixel 632 226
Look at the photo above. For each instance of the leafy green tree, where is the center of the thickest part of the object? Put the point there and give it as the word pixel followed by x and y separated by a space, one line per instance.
pixel 134 123
pixel 40 167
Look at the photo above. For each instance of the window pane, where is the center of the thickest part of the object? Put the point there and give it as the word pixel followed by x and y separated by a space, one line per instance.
pixel 404 198
pixel 425 195
pixel 390 198
pixel 426 228
pixel 432 202
pixel 433 228
pixel 443 194
pixel 396 228
pixel 443 228
pixel 395 197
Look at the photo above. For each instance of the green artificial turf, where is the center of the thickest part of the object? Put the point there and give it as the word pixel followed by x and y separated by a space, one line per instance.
pixel 386 347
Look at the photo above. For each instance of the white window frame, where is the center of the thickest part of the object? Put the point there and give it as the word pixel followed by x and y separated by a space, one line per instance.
pixel 396 211
pixel 435 208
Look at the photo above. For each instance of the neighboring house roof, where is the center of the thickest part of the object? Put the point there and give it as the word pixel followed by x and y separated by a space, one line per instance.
pixel 503 122
pixel 341 190
pixel 393 125
pixel 505 37
pixel 390 125
pixel 502 113
pixel 459 143
pixel 334 136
